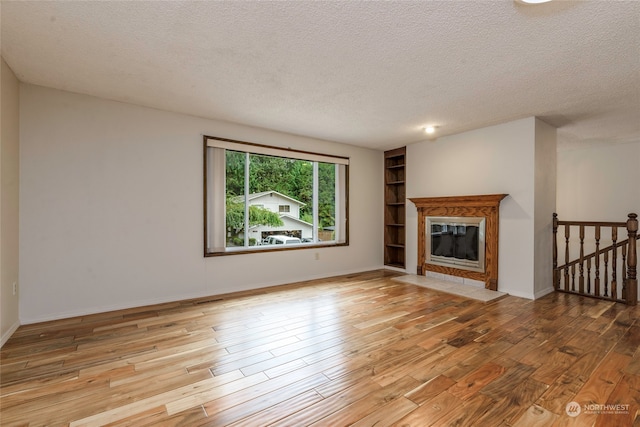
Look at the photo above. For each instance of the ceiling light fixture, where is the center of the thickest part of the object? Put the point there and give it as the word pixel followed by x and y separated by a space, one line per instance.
pixel 430 130
pixel 532 1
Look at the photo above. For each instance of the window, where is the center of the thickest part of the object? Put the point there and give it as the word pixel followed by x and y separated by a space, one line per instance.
pixel 258 197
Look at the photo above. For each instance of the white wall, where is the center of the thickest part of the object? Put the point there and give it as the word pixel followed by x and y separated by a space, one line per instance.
pixel 496 159
pixel 9 184
pixel 111 209
pixel 545 206
pixel 599 183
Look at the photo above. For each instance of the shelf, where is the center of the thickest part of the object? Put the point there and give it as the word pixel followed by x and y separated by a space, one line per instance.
pixel 394 245
pixel 395 264
pixel 394 207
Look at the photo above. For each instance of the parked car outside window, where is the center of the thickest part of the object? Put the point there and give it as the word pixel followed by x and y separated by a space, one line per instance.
pixel 282 240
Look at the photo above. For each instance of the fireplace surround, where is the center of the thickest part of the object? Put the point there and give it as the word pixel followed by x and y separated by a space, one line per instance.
pixel 462 219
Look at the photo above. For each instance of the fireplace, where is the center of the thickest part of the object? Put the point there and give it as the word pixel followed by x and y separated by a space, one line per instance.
pixel 456 242
pixel 458 236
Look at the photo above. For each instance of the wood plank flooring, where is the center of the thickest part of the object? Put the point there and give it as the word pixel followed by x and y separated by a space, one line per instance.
pixel 358 350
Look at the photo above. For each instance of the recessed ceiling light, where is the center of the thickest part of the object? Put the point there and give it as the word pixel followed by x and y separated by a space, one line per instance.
pixel 430 129
pixel 532 1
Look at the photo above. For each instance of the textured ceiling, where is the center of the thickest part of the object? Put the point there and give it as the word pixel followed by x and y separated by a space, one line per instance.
pixel 365 73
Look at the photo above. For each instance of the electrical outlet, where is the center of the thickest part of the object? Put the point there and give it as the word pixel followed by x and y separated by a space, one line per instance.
pixel 317 256
pixel 15 288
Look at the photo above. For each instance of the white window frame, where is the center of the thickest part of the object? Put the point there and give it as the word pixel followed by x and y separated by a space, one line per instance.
pixel 215 195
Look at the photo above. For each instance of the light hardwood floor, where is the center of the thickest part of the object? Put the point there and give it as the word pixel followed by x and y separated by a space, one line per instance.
pixel 358 350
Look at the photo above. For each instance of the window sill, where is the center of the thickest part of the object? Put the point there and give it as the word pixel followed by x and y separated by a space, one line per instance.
pixel 274 248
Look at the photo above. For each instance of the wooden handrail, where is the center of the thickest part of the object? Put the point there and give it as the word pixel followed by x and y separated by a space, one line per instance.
pixel 594 254
pixel 593 223
pixel 575 279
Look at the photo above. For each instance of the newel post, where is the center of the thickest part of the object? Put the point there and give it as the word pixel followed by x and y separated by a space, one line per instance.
pixel 556 281
pixel 631 284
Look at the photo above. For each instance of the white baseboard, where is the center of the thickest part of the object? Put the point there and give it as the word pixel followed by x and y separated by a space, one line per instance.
pixel 7 335
pixel 516 293
pixel 543 292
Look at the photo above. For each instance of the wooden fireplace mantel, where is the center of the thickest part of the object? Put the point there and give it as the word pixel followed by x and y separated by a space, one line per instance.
pixel 487 206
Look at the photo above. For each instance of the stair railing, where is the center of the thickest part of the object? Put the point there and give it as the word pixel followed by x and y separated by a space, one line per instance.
pixel 612 265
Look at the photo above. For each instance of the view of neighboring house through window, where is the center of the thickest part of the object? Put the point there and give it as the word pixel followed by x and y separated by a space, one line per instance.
pixel 258 197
